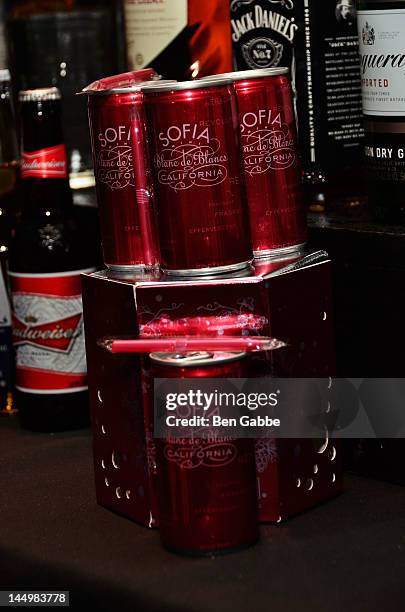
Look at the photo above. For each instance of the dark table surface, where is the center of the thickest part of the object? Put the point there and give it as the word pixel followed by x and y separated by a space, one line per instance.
pixel 348 554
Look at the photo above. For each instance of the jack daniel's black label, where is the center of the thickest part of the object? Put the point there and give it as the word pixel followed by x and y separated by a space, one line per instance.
pixel 263 32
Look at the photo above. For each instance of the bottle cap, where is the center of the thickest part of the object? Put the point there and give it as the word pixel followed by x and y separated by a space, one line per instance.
pixel 38 95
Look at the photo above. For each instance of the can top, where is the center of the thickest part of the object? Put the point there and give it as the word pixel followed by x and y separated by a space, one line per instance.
pixel 186 85
pixel 38 95
pixel 125 89
pixel 200 358
pixel 4 75
pixel 242 75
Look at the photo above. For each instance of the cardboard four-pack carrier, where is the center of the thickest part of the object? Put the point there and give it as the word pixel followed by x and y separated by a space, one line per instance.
pixel 288 299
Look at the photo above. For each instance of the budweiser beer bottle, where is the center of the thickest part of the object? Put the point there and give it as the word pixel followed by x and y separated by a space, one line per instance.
pixel 47 256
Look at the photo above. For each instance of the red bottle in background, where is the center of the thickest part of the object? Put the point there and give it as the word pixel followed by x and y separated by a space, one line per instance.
pixel 207 488
pixel 47 256
pixel 198 178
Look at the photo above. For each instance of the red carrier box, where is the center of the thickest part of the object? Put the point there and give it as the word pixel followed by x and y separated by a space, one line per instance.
pixel 289 299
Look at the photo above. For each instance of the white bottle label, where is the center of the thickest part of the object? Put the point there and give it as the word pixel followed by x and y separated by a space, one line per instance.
pixel 151 25
pixel 382 53
pixel 48 332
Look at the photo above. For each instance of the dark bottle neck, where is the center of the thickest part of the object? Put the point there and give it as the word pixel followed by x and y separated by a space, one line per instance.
pixel 8 137
pixel 44 168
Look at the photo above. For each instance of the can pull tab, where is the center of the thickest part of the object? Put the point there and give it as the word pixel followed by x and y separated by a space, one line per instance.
pixel 193 356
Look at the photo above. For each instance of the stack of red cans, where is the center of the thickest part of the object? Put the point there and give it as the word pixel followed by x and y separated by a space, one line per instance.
pixel 199 177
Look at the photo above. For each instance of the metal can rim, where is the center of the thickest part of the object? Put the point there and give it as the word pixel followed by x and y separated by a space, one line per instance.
pixel 188 85
pixel 196 359
pixel 109 92
pixel 243 75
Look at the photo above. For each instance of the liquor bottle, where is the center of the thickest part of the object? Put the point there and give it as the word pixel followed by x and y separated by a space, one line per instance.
pixel 9 205
pixel 47 256
pixel 68 43
pixel 182 40
pixel 381 25
pixel 318 42
pixel 3 50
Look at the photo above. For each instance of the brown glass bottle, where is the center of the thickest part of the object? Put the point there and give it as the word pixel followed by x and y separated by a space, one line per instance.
pixel 47 255
pixel 68 43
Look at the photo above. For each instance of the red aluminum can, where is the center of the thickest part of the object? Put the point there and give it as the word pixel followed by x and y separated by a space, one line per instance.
pixel 271 161
pixel 128 226
pixel 198 178
pixel 207 489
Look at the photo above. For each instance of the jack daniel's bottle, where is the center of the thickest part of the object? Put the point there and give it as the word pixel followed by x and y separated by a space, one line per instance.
pixel 263 33
pixel 318 41
pixel 381 26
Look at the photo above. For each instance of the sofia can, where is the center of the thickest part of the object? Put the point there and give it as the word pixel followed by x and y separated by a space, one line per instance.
pixel 198 178
pixel 206 487
pixel 271 162
pixel 128 225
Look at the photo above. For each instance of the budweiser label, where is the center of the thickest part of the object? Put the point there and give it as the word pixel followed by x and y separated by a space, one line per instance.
pixel 151 25
pixel 114 165
pixel 189 156
pixel 45 163
pixel 381 36
pixel 48 332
